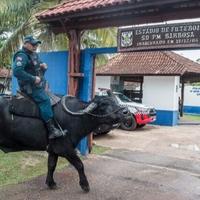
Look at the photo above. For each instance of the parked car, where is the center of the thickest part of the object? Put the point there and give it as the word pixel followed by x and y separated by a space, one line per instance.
pixel 140 115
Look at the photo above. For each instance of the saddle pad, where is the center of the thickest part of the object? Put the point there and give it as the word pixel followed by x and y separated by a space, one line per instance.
pixel 23 105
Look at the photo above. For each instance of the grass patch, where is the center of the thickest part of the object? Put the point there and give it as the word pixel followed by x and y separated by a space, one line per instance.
pixel 22 166
pixel 99 149
pixel 191 117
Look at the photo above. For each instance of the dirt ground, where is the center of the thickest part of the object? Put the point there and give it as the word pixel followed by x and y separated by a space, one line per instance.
pixel 181 141
pixel 154 163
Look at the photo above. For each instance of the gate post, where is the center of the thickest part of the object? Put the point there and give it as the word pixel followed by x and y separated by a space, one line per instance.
pixel 74 61
pixel 85 90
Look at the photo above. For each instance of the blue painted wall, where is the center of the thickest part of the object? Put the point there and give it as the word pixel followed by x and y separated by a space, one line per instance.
pixel 166 118
pixel 56 74
pixel 86 83
pixel 191 109
pixel 85 89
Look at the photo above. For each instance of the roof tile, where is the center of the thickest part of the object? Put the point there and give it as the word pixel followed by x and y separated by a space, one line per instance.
pixel 71 6
pixel 149 63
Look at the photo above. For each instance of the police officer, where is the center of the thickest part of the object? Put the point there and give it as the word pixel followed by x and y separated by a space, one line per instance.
pixel 29 71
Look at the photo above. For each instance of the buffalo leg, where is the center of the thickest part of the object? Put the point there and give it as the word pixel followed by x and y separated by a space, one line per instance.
pixel 52 162
pixel 77 163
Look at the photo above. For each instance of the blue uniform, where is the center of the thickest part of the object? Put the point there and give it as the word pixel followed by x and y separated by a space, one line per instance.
pixel 26 66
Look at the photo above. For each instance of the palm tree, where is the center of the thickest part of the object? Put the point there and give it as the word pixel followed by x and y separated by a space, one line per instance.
pixel 17 18
pixel 100 38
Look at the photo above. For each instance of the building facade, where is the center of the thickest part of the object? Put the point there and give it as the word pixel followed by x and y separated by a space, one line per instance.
pixel 160 77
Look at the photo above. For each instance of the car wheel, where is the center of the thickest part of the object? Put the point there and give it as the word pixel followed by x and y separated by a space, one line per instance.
pixel 140 125
pixel 130 124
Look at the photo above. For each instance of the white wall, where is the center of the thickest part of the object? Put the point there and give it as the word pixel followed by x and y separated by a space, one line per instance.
pixel 161 92
pixel 192 95
pixel 103 82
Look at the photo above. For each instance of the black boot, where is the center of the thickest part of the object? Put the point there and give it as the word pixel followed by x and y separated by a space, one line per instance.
pixel 53 131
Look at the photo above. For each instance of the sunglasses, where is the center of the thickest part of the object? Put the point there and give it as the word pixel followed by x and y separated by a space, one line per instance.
pixel 34 45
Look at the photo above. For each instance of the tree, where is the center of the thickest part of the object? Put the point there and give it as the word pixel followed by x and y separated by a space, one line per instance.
pixel 100 38
pixel 17 18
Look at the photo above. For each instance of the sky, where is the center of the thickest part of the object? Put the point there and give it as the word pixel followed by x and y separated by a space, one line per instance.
pixel 191 54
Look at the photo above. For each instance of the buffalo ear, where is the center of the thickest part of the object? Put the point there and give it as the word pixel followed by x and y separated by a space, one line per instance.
pixel 90 107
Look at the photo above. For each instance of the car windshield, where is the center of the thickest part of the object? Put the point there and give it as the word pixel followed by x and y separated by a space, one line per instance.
pixel 123 98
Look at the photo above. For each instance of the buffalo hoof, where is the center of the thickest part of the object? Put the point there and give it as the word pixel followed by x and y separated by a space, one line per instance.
pixel 52 186
pixel 85 188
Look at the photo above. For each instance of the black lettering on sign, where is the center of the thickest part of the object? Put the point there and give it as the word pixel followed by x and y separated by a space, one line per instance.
pixel 159 37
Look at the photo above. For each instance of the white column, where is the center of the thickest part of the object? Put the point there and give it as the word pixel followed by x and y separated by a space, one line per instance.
pixel 102 82
pixel 162 93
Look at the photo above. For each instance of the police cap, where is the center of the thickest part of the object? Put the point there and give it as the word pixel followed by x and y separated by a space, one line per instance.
pixel 30 39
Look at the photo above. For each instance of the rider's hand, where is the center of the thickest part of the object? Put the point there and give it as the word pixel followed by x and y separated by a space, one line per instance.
pixel 37 80
pixel 43 65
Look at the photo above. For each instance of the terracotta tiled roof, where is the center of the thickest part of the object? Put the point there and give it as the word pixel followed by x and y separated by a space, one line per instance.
pixel 72 6
pixel 149 63
pixel 4 72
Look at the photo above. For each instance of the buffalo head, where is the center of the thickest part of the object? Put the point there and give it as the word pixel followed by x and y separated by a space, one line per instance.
pixel 107 110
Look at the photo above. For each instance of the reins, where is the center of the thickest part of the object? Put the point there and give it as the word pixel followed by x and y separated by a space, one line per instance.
pixel 106 115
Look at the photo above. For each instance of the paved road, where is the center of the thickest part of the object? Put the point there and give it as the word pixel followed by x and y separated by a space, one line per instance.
pixel 178 141
pixel 130 173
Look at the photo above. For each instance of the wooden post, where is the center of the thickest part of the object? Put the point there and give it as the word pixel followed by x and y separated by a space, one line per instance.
pixel 74 61
pixel 74 73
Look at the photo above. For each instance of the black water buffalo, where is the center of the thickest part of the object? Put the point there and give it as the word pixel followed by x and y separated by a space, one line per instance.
pixel 18 133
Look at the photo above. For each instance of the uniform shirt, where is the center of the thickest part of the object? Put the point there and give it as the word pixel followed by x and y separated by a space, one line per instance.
pixel 23 68
pixel 26 66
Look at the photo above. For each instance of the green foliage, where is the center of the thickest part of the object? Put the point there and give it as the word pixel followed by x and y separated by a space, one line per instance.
pixel 99 149
pixel 196 84
pixel 99 38
pixel 106 37
pixel 2 40
pixel 191 117
pixel 21 166
pixel 17 18
pixel 9 19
